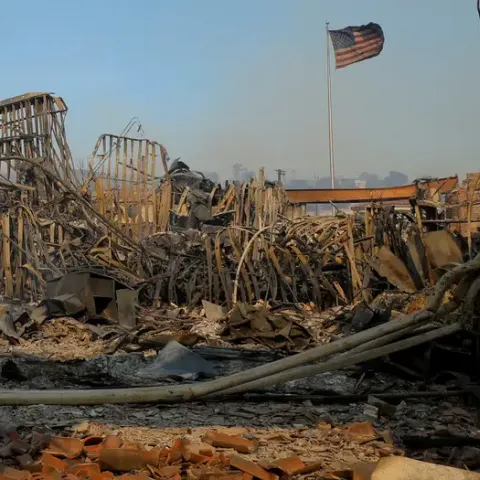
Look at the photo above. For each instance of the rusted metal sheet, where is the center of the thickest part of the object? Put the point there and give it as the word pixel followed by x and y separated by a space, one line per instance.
pixel 358 195
pixel 394 270
pixel 442 249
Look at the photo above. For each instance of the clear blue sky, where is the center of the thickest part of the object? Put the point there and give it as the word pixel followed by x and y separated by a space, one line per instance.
pixel 226 81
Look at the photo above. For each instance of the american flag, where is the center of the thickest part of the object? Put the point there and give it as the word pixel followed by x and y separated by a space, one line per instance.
pixel 354 44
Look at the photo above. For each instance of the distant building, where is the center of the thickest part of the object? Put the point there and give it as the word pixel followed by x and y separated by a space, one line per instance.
pixel 360 184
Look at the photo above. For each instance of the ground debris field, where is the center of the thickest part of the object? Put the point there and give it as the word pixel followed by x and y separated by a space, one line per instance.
pixel 154 324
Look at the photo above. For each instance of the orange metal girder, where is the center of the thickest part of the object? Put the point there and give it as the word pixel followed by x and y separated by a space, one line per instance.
pixel 360 195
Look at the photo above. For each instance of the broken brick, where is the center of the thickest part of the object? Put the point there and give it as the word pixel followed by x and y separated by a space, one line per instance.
pixel 70 476
pixel 152 457
pixel 121 459
pixel 219 460
pixel 49 460
pixel 129 476
pixel 51 473
pixel 14 474
pixel 197 458
pixel 159 456
pixel 310 468
pixel 289 465
pixel 92 446
pixel 206 452
pixel 65 447
pixel 103 476
pixel 222 475
pixel 84 470
pixel 93 452
pixel 188 451
pixel 223 440
pixel 362 431
pixel 251 468
pixel 112 441
pixel 125 459
pixel 92 441
pixel 175 453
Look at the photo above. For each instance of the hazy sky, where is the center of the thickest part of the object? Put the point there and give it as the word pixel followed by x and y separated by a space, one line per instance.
pixel 226 81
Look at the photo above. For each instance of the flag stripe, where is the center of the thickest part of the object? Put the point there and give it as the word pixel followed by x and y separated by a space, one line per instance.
pixel 354 44
pixel 357 56
pixel 362 43
pixel 347 55
pixel 364 36
pixel 350 55
pixel 359 41
pixel 365 46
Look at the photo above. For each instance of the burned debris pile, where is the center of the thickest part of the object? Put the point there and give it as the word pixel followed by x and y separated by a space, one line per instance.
pixel 127 233
pixel 274 264
pixel 138 254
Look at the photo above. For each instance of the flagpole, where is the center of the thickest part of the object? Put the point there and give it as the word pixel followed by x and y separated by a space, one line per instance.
pixel 330 113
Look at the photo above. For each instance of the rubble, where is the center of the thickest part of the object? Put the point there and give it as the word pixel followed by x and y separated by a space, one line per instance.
pixel 278 329
pixel 132 274
pixel 326 452
pixel 123 451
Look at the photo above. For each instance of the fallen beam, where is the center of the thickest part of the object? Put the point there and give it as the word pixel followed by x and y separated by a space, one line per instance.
pixel 361 195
